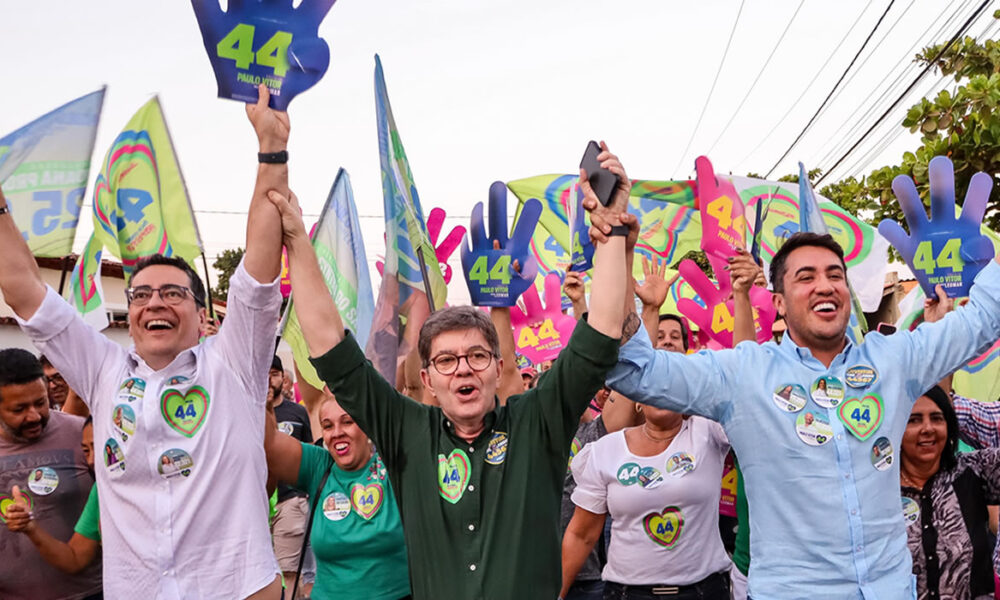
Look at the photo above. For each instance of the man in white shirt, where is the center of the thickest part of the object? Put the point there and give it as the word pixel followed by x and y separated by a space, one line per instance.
pixel 179 425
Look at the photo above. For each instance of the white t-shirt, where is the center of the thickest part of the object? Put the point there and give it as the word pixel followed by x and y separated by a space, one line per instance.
pixel 664 508
pixel 179 458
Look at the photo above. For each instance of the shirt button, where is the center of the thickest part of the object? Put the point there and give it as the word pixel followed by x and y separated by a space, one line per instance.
pixel 471 449
pixel 472 527
pixel 165 573
pixel 847 475
pixel 854 511
pixel 472 488
pixel 860 548
pixel 840 436
pixel 472 567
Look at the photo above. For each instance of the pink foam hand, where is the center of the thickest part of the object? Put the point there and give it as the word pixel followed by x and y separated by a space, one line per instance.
pixel 541 332
pixel 716 317
pixel 444 250
pixel 723 224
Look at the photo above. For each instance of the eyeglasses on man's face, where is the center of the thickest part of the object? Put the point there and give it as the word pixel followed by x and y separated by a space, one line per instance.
pixel 478 359
pixel 171 294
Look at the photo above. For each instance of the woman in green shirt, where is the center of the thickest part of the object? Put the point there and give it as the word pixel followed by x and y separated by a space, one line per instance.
pixel 356 533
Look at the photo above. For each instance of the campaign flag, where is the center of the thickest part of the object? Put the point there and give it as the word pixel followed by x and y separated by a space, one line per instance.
pixel 140 204
pixel 341 255
pixel 412 283
pixel 811 220
pixel 43 172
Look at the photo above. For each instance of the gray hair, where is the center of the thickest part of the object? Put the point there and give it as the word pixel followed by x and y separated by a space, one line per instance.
pixel 453 319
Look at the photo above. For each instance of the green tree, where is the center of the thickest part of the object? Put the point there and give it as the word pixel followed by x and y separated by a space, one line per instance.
pixel 963 124
pixel 225 265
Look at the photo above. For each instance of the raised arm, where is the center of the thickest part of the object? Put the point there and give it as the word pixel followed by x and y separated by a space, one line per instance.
pixel 574 290
pixel 321 324
pixel 511 382
pixel 652 292
pixel 284 453
pixel 262 259
pixel 743 272
pixel 20 280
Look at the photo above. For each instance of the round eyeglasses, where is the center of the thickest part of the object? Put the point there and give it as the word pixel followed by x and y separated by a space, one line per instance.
pixel 446 363
pixel 170 293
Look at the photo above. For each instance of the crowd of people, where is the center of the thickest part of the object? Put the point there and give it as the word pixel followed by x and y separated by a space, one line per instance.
pixel 183 467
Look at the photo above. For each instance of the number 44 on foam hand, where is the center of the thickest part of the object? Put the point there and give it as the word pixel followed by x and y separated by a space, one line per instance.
pixel 944 249
pixel 264 41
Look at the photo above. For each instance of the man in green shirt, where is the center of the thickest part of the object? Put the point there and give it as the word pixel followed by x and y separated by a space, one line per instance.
pixel 478 485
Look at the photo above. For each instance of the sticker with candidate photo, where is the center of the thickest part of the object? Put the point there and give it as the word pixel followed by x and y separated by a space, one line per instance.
pixel 861 376
pixel 43 481
pixel 827 391
pixel 336 506
pixel 173 463
pixel 813 428
pixel 911 511
pixel 123 421
pixel 882 458
pixel 131 389
pixel 790 397
pixel 114 458
pixel 680 464
pixel 650 478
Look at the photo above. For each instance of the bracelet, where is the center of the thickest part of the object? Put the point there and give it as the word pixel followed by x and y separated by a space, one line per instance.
pixel 617 230
pixel 273 158
pixel 4 209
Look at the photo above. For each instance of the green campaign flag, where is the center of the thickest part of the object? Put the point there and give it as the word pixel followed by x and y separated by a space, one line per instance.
pixel 140 204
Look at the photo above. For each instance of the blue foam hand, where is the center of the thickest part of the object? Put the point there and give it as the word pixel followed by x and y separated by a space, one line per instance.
pixel 944 249
pixel 264 41
pixel 489 261
pixel 581 247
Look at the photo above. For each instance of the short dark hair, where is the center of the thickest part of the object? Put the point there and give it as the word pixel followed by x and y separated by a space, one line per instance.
pixel 796 241
pixel 452 319
pixel 680 321
pixel 197 287
pixel 949 456
pixel 18 366
pixel 45 362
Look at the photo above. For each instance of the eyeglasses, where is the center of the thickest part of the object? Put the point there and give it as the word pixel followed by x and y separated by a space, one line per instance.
pixel 447 363
pixel 170 293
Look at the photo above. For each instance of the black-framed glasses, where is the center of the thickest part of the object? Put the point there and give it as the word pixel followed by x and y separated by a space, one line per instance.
pixel 478 359
pixel 170 293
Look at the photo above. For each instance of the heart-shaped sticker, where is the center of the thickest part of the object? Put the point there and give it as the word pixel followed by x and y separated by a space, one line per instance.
pixel 6 501
pixel 453 475
pixel 366 499
pixel 665 527
pixel 185 412
pixel 861 416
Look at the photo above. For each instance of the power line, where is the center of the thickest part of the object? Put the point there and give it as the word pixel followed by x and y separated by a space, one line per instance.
pixel 808 87
pixel 924 71
pixel 888 91
pixel 757 78
pixel 835 86
pixel 704 106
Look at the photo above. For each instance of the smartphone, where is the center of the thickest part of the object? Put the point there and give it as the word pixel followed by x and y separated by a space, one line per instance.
pixel 602 181
pixel 886 328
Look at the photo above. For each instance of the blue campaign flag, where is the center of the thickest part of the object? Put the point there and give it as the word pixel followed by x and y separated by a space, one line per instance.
pixel 44 168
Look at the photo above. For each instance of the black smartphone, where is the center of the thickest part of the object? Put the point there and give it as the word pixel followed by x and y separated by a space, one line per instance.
pixel 886 328
pixel 602 181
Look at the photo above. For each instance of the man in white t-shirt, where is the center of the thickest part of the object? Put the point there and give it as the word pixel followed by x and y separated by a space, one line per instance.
pixel 180 425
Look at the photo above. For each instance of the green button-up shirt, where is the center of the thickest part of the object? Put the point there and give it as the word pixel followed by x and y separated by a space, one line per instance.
pixel 481 519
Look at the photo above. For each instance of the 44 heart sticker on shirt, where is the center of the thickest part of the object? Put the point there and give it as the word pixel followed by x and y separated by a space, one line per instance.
pixel 861 416
pixel 186 412
pixel 665 527
pixel 453 475
pixel 366 499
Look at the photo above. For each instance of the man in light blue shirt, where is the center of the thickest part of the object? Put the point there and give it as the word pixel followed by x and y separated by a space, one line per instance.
pixel 820 460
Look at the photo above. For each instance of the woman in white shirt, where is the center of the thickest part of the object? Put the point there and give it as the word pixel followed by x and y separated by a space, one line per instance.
pixel 659 482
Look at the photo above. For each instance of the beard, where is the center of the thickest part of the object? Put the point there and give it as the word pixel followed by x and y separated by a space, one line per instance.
pixel 17 434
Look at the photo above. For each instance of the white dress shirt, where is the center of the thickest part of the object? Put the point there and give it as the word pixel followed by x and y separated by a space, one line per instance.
pixel 184 511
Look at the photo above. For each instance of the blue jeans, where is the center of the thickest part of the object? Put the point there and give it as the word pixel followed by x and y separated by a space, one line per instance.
pixel 586 590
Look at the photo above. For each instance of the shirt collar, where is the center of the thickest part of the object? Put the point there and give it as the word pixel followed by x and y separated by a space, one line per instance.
pixel 805 355
pixel 184 361
pixel 489 420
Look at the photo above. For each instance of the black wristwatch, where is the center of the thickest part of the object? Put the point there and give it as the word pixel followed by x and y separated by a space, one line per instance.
pixel 621 230
pixel 273 158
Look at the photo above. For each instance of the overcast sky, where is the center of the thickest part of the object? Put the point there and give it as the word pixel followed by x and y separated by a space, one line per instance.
pixel 486 91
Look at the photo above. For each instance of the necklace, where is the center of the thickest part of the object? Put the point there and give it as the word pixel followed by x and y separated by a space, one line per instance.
pixel 651 437
pixel 909 482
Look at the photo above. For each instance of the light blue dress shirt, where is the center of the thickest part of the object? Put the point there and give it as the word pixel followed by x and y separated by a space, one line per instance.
pixel 825 523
